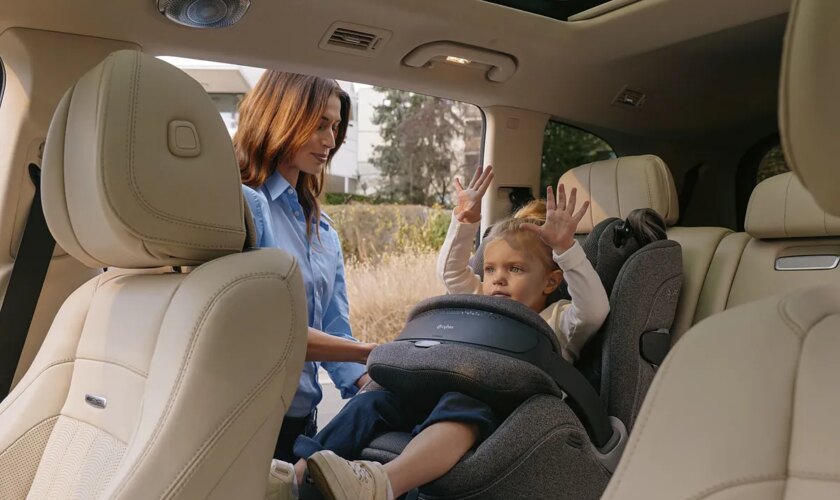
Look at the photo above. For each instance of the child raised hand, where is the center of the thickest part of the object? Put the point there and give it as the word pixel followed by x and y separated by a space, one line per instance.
pixel 561 221
pixel 468 201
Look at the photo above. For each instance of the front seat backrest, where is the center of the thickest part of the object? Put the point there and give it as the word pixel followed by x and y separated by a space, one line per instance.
pixel 745 406
pixel 153 383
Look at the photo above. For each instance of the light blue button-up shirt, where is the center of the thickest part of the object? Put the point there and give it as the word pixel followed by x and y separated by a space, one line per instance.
pixel 280 223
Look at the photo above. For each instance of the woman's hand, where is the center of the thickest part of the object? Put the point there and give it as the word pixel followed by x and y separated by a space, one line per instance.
pixel 322 346
pixel 468 201
pixel 558 232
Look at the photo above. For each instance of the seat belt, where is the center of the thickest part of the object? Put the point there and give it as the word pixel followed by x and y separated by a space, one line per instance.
pixel 24 288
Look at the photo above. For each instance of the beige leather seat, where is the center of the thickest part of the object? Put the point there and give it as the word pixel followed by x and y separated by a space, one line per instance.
pixel 618 186
pixel 746 404
pixel 790 242
pixel 153 383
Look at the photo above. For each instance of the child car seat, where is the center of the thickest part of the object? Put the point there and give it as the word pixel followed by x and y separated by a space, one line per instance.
pixel 555 442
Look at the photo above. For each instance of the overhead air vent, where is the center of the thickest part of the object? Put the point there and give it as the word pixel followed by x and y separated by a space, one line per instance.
pixel 629 98
pixel 355 39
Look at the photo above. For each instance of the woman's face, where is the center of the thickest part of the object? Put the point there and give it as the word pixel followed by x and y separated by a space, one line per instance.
pixel 313 156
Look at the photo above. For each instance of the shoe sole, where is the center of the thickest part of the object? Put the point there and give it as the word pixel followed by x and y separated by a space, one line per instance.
pixel 320 480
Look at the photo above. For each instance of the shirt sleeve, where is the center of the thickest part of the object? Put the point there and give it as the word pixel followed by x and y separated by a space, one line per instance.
pixel 258 206
pixel 337 322
pixel 589 306
pixel 453 268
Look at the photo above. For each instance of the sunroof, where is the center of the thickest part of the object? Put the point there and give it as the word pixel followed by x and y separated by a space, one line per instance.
pixel 557 9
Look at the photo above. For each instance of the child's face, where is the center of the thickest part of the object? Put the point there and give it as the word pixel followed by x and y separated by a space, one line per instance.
pixel 518 274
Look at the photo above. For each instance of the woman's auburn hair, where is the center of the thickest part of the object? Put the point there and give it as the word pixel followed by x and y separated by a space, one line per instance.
pixel 276 119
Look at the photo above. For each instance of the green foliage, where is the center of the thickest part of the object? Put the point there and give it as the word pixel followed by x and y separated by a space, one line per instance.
pixel 345 198
pixel 566 147
pixel 772 164
pixel 369 232
pixel 416 156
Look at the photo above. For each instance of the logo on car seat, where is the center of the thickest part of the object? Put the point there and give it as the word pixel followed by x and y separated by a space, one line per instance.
pixel 96 401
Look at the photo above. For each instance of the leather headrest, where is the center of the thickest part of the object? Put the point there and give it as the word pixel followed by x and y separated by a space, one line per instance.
pixel 809 107
pixel 781 207
pixel 139 170
pixel 618 186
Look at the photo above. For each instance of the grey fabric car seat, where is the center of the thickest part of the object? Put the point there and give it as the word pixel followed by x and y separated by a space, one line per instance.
pixel 153 382
pixel 746 405
pixel 545 449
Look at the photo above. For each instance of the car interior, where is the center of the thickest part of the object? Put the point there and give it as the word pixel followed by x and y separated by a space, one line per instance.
pixel 126 381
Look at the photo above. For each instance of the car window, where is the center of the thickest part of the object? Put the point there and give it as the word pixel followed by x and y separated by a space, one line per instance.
pixel 772 163
pixel 566 147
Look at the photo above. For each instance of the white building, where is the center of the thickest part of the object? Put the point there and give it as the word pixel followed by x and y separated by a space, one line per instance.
pixel 351 170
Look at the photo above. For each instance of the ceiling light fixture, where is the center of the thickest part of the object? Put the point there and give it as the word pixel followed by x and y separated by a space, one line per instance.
pixel 457 60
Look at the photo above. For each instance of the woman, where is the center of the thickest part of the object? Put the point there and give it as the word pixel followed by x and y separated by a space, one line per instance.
pixel 290 127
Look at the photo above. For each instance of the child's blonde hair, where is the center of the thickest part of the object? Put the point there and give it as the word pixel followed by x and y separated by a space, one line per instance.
pixel 511 231
pixel 534 209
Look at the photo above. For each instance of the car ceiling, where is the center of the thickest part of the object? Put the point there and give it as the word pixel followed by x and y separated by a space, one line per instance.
pixel 704 65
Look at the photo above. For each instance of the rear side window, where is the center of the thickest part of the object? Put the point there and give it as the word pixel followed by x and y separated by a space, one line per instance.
pixel 773 163
pixel 566 147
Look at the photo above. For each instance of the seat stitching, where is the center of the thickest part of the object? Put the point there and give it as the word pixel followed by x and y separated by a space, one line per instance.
pixel 135 89
pixel 650 189
pixel 734 274
pixel 202 452
pixel 110 197
pixel 822 476
pixel 196 330
pixel 759 478
pixel 9 402
pixel 128 367
pixel 27 431
pixel 784 213
pixel 284 403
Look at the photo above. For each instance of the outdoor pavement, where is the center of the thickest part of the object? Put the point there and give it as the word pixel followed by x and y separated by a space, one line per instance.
pixel 332 402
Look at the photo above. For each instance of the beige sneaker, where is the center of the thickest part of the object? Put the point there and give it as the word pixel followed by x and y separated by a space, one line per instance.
pixel 339 479
pixel 281 480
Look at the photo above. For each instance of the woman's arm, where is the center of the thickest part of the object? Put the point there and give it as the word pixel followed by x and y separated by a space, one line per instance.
pixel 336 323
pixel 322 346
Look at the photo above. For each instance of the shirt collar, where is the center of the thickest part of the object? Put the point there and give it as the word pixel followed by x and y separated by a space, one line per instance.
pixel 277 185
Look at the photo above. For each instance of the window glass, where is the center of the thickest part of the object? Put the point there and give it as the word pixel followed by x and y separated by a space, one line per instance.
pixel 773 163
pixel 566 147
pixel 387 190
pixel 557 9
pixel 228 105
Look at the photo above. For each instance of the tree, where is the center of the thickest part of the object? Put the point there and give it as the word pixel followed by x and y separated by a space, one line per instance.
pixel 566 147
pixel 416 157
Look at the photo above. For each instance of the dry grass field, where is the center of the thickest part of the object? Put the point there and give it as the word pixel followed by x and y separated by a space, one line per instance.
pixel 390 253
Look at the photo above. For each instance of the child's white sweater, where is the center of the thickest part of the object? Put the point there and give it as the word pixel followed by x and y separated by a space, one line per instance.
pixel 574 322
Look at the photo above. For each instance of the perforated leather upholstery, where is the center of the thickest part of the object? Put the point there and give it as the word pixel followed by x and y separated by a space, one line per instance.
pixel 151 383
pixel 745 405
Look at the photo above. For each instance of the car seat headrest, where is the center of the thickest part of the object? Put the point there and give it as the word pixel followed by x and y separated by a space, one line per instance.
pixel 617 186
pixel 809 108
pixel 139 169
pixel 781 207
